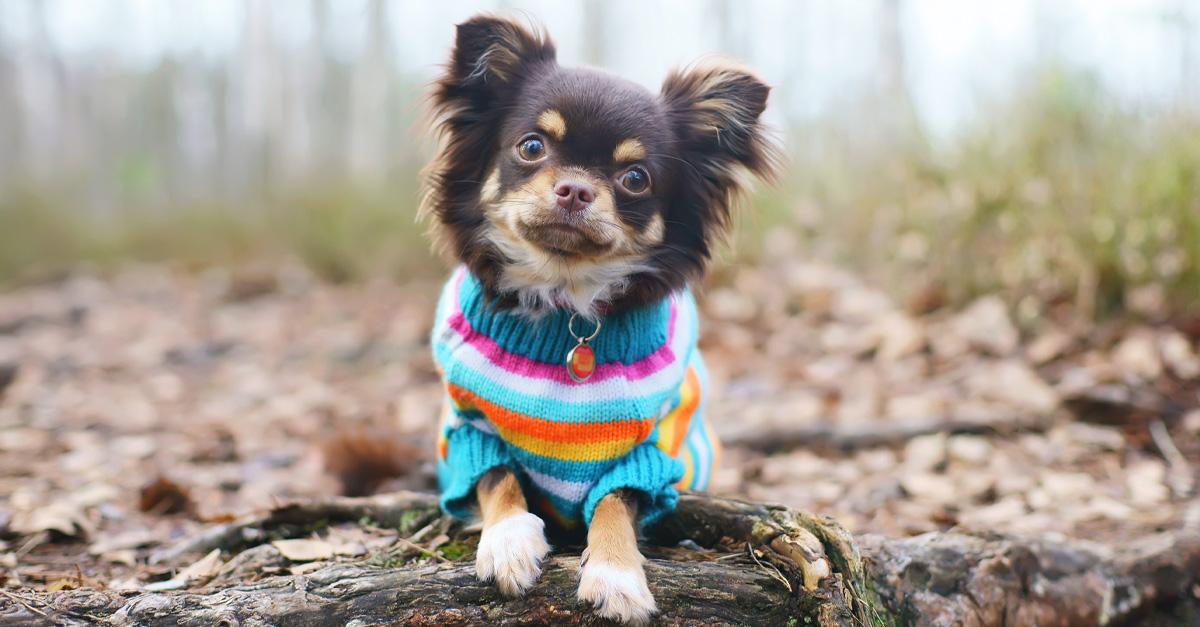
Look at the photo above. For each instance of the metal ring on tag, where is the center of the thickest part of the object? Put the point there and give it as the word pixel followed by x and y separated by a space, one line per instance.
pixel 571 329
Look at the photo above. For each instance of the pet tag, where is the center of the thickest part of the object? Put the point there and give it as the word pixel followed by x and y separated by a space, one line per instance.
pixel 581 360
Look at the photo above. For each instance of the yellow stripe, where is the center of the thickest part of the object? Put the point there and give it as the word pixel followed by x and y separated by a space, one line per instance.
pixel 689 469
pixel 666 432
pixel 590 452
pixel 669 437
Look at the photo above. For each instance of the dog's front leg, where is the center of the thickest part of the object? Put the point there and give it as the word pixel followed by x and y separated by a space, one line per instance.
pixel 611 576
pixel 514 541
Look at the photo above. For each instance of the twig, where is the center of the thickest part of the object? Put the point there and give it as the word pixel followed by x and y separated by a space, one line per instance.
pixel 890 432
pixel 32 543
pixel 23 602
pixel 1180 476
pixel 414 546
pixel 771 570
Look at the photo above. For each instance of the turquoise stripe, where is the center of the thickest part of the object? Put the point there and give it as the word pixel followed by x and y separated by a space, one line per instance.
pixel 625 338
pixel 583 472
pixel 567 509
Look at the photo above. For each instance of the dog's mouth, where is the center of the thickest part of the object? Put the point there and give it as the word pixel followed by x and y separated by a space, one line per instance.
pixel 566 239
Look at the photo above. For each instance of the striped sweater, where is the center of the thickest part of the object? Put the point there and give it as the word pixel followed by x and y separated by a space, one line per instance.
pixel 636 423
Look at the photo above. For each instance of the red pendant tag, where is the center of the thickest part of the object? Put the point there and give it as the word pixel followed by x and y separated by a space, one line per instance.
pixel 581 360
pixel 581 363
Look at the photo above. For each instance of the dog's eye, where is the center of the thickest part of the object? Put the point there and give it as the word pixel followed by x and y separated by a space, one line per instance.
pixel 635 180
pixel 531 148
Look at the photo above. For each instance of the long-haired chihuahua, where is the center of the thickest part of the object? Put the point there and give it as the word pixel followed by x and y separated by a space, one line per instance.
pixel 579 207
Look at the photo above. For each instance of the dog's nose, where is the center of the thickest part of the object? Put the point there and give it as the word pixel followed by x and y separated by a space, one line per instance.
pixel 574 196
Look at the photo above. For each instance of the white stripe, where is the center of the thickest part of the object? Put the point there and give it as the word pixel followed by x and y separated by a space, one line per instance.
pixel 703 456
pixel 614 388
pixel 483 426
pixel 571 491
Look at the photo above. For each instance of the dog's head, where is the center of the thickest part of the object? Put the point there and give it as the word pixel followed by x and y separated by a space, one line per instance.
pixel 564 187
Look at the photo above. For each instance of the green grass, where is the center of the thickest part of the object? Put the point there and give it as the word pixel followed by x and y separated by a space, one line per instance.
pixel 342 232
pixel 1056 194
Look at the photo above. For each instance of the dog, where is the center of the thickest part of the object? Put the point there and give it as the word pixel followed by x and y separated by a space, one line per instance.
pixel 579 208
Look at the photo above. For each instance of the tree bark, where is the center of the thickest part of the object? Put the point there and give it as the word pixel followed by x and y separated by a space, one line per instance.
pixel 715 561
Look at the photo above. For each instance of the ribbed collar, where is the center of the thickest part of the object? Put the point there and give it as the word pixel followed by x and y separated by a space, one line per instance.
pixel 625 337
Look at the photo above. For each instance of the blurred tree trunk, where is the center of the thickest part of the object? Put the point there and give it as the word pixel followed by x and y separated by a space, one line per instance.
pixel 900 123
pixel 370 84
pixel 595 31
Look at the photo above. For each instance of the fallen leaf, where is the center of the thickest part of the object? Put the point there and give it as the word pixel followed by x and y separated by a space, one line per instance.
pixel 206 568
pixel 304 569
pixel 62 584
pixel 1138 355
pixel 985 324
pixel 127 557
pixel 63 517
pixel 134 539
pixel 163 496
pixel 304 550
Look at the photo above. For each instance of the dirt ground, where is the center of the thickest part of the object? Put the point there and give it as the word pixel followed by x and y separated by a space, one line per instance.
pixel 138 408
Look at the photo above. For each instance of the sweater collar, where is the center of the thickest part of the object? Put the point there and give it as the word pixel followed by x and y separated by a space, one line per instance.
pixel 627 336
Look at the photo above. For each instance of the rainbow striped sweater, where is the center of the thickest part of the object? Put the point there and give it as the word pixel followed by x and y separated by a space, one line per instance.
pixel 637 423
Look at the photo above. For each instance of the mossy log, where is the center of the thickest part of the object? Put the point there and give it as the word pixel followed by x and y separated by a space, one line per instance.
pixel 715 561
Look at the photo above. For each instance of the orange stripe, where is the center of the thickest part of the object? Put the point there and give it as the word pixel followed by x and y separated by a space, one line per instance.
pixel 688 402
pixel 548 507
pixel 550 431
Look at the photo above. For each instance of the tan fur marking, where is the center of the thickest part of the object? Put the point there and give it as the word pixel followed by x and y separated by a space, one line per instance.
pixel 611 537
pixel 553 123
pixel 490 191
pixel 500 496
pixel 629 150
pixel 654 231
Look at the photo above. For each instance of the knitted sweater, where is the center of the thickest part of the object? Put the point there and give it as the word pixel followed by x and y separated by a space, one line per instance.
pixel 636 423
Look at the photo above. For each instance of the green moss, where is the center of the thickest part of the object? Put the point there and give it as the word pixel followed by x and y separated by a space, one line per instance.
pixel 456 550
pixel 411 520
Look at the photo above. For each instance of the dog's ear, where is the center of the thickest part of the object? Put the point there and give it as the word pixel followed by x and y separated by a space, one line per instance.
pixel 491 56
pixel 491 60
pixel 715 110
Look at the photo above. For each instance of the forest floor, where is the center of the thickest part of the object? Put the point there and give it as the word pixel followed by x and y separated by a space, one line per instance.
pixel 137 409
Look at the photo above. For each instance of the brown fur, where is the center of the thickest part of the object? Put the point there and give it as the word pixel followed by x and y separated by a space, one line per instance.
pixel 612 536
pixel 500 496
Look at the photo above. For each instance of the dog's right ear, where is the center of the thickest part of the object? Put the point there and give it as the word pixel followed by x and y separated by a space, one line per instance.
pixel 491 57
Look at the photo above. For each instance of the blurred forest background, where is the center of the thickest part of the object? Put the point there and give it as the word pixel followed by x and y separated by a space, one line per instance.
pixel 1048 150
pixel 970 305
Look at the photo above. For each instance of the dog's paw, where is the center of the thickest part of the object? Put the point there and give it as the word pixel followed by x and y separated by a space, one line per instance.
pixel 618 592
pixel 511 551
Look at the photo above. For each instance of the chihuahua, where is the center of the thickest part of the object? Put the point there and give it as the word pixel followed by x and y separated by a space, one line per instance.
pixel 579 207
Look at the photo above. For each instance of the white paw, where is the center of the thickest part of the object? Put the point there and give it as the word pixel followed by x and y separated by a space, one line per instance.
pixel 618 593
pixel 511 552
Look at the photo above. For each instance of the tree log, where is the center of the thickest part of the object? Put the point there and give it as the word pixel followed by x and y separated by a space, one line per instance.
pixel 715 561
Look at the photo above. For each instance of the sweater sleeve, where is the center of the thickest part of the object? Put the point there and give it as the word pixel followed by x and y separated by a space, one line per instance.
pixel 469 453
pixel 647 470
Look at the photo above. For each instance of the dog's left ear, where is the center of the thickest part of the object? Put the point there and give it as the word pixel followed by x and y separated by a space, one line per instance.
pixel 715 112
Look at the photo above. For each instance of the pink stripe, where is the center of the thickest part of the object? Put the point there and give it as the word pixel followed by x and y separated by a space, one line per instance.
pixel 459 275
pixel 519 364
